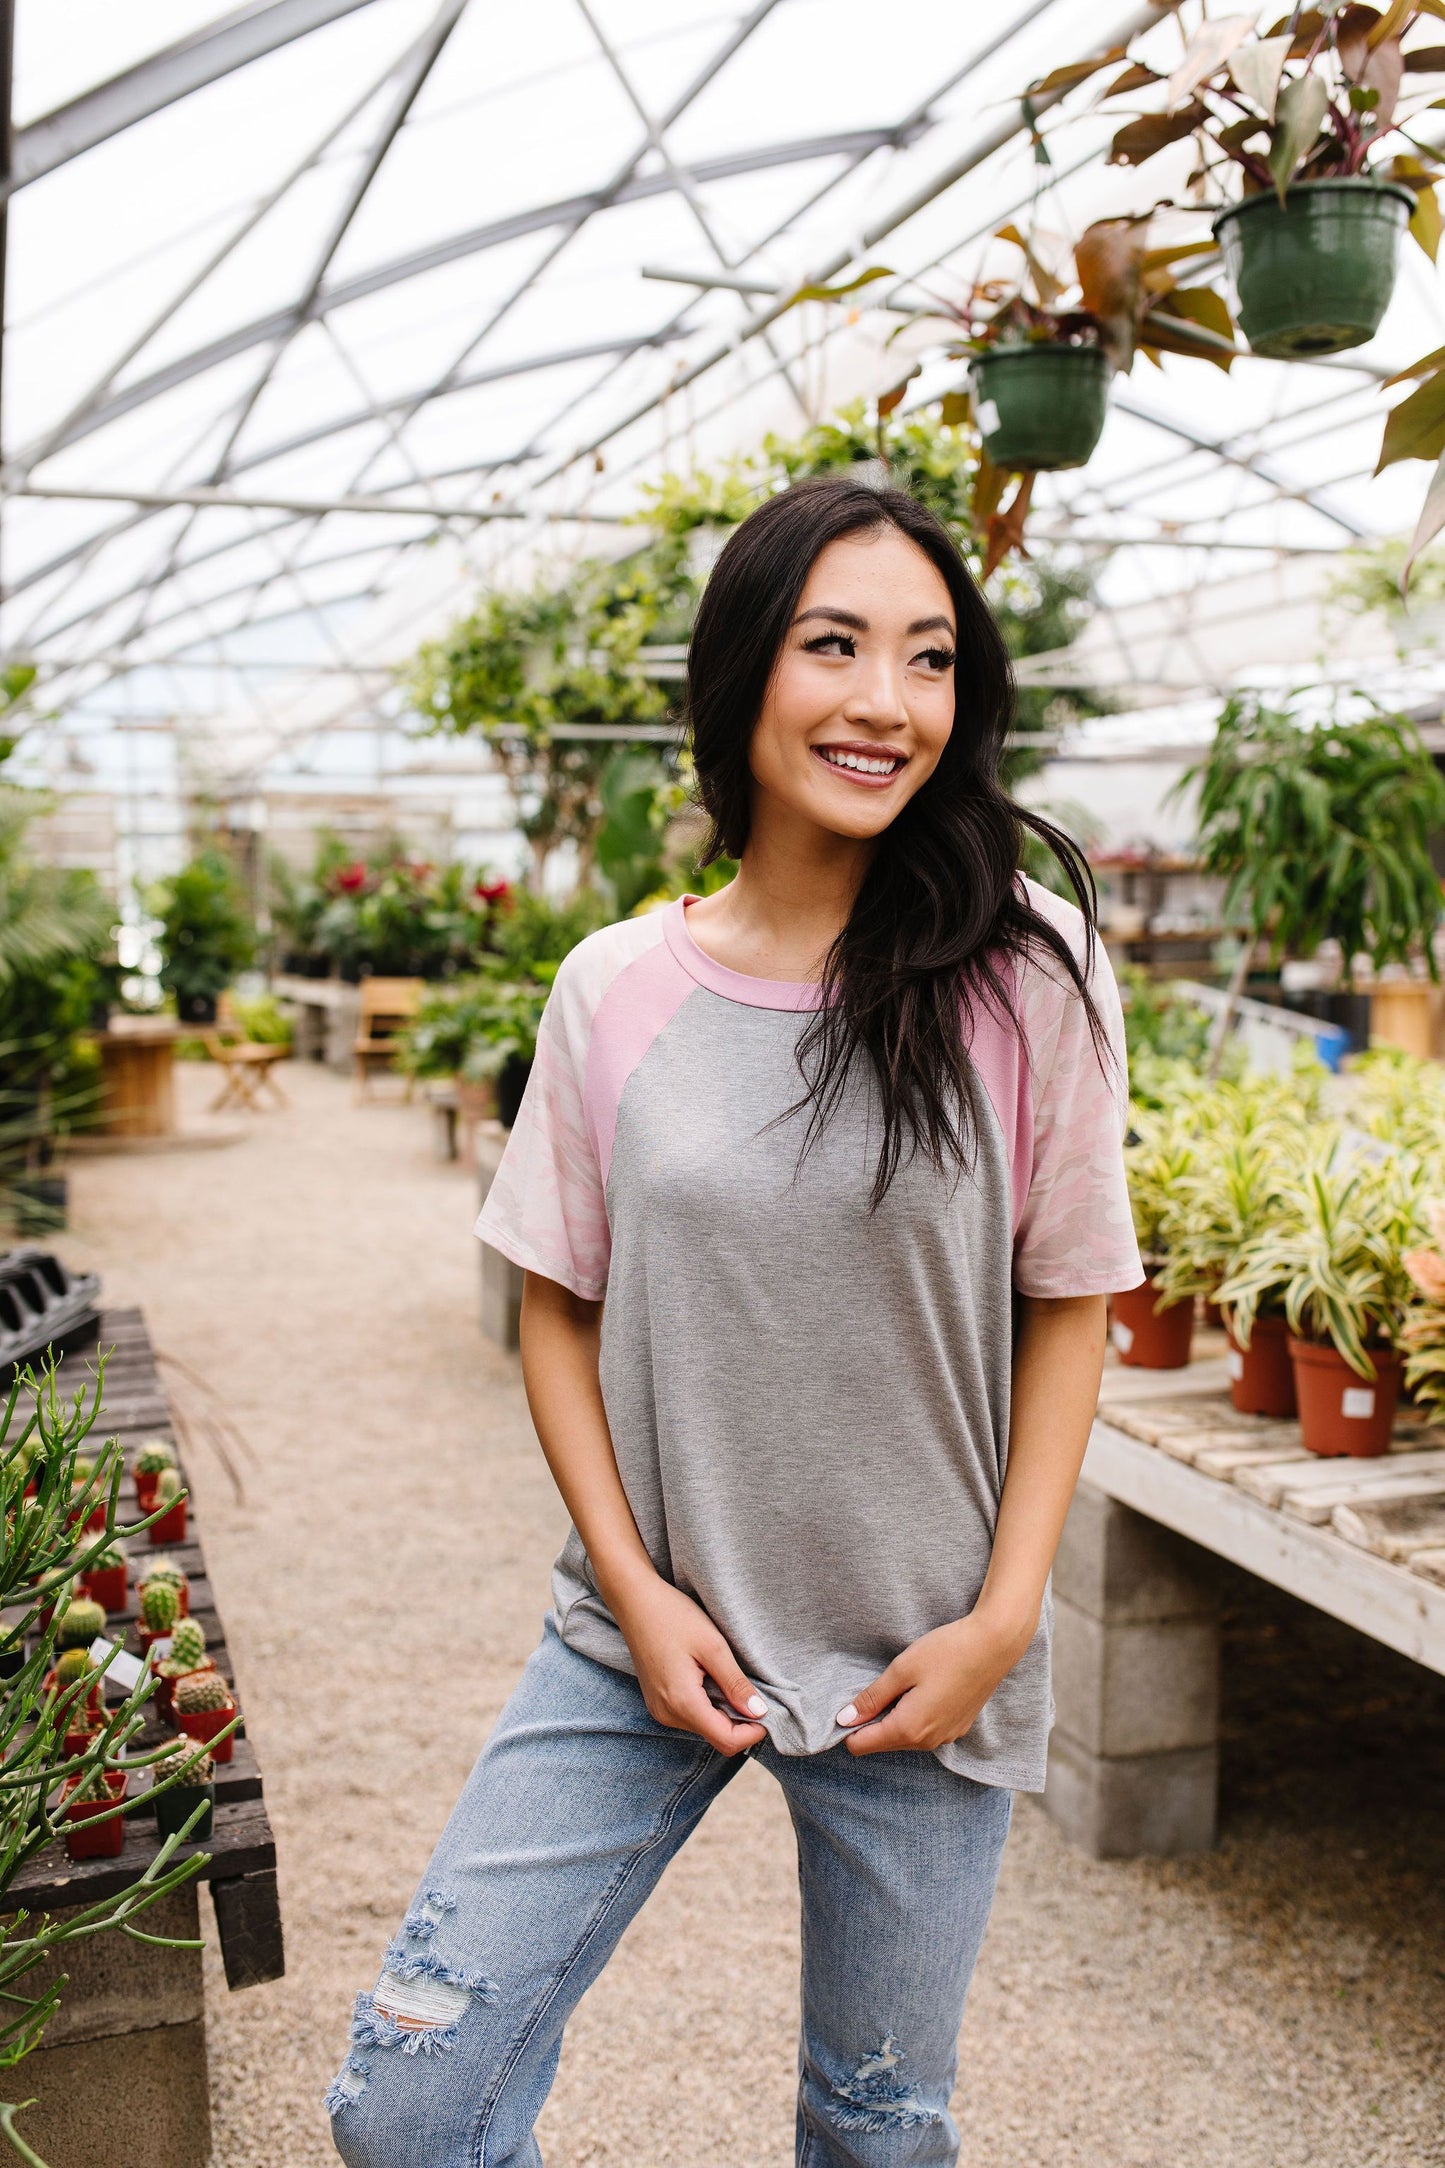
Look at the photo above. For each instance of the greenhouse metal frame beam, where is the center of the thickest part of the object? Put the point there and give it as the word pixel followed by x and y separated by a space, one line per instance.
pixel 280 322
pixel 211 498
pixel 190 64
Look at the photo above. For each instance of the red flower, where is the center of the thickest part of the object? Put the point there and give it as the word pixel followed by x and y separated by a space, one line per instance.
pixel 494 891
pixel 351 878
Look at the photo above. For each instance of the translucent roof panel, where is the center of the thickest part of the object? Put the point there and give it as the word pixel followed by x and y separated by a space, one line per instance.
pixel 321 312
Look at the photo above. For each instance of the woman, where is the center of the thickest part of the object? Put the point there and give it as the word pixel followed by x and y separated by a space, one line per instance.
pixel 840 1145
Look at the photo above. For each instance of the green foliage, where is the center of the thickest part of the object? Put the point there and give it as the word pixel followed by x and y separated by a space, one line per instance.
pixel 1333 1254
pixel 263 1021
pixel 153 1456
pixel 385 913
pixel 38 1561
pixel 159 1606
pixel 1159 1023
pixel 206 932
pixel 1323 831
pixel 1158 1159
pixel 472 1027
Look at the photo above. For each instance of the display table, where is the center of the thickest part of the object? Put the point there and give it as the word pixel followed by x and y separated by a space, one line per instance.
pixel 137 1077
pixel 1174 1478
pixel 121 2076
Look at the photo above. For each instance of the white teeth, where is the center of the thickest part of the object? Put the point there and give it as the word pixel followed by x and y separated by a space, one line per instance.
pixel 861 761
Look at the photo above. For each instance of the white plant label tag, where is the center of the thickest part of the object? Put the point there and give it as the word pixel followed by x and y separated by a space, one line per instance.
pixel 1358 1402
pixel 1123 1336
pixel 1234 1363
pixel 986 415
pixel 124 1668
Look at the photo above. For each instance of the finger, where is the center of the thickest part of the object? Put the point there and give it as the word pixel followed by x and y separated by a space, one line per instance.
pixel 692 1711
pixel 721 1666
pixel 891 1734
pixel 874 1698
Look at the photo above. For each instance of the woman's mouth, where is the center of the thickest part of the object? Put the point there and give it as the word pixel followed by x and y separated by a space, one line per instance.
pixel 874 766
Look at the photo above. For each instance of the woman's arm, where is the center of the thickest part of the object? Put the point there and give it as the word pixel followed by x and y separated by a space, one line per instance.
pixel 935 1689
pixel 673 1642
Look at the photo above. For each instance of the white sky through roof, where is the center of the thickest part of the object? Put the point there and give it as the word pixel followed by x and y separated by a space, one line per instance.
pixel 399 258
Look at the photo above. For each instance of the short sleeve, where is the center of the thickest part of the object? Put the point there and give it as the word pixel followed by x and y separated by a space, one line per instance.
pixel 546 1208
pixel 1076 1233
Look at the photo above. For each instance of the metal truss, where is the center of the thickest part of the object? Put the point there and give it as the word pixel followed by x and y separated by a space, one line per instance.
pixel 86 636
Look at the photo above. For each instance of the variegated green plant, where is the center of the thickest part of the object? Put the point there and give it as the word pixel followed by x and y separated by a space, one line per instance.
pixel 1158 1160
pixel 1334 1259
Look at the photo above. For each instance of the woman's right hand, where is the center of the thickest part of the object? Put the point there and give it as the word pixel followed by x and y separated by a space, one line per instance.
pixel 676 1647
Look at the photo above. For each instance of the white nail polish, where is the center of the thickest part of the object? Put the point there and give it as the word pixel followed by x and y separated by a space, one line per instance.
pixel 756 1705
pixel 848 1715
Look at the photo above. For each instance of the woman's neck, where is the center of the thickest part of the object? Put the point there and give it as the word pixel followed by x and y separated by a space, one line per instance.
pixel 789 902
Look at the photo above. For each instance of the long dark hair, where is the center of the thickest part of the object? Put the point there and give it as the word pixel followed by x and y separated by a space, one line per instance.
pixel 941 912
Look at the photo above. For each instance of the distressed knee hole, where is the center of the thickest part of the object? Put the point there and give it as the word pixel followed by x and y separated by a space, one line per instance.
pixel 878 2097
pixel 417 2004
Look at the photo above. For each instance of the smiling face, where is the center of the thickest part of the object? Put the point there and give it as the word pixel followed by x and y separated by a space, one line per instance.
pixel 860 705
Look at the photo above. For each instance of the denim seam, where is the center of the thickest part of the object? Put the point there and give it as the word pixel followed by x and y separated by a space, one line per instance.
pixel 554 1985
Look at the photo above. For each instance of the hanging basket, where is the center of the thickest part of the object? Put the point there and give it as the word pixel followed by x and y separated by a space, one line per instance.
pixel 1040 408
pixel 1314 275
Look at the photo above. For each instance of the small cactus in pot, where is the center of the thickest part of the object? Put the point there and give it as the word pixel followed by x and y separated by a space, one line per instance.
pixel 151 1462
pixel 170 1502
pixel 89 1794
pixel 189 1776
pixel 84 1709
pixel 104 1579
pixel 159 1611
pixel 166 1569
pixel 80 1623
pixel 203 1707
pixel 188 1655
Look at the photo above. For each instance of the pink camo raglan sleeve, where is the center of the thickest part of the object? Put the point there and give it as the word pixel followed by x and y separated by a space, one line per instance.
pixel 546 1208
pixel 1076 1235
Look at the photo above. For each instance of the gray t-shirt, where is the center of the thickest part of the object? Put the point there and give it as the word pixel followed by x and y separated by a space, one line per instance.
pixel 808 1401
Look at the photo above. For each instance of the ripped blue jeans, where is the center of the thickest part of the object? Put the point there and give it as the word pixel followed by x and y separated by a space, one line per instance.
pixel 578 1802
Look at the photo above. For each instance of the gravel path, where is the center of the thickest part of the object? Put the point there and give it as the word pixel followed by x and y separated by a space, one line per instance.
pixel 1279 2004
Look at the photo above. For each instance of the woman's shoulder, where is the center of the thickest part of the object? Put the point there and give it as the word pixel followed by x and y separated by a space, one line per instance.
pixel 1041 973
pixel 587 972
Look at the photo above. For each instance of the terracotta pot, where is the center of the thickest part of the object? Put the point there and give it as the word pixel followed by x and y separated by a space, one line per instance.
pixel 1149 1336
pixel 145 1491
pixel 149 1635
pixel 171 1527
pixel 1261 1376
pixel 205 1723
pixel 85 1837
pixel 1340 1412
pixel 106 1587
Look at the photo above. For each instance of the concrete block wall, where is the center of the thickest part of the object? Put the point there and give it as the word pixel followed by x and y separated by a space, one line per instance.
pixel 1134 1756
pixel 121 2077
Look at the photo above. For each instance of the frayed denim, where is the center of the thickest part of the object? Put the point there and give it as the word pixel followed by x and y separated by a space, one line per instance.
pixel 578 1802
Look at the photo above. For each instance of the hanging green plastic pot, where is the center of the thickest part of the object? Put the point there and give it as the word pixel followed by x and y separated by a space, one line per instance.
pixel 1040 407
pixel 1314 274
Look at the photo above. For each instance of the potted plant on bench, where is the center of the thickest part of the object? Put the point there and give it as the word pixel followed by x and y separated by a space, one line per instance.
pixel 1152 1328
pixel 187 1772
pixel 1336 1258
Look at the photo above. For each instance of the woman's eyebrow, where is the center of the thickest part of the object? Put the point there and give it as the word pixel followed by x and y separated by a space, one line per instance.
pixel 838 617
pixel 931 624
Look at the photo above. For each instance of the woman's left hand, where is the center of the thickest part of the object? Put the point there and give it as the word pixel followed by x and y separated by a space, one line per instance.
pixel 932 1692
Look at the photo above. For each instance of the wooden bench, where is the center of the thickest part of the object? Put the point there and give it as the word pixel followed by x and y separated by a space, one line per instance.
pixel 1174 1478
pixel 122 2074
pixel 385 1006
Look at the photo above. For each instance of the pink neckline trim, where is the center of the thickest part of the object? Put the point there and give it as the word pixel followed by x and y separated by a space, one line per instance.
pixel 719 979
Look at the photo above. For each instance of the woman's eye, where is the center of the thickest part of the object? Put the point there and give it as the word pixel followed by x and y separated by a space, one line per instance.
pixel 936 658
pixel 832 643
